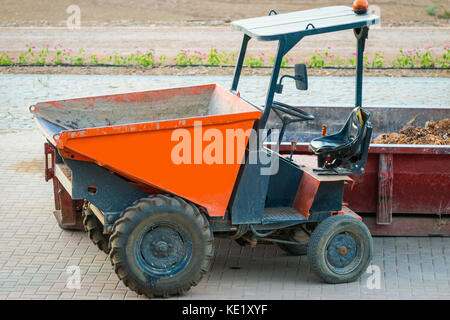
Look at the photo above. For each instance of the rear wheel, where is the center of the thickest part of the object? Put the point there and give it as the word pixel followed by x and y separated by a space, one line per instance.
pixel 94 228
pixel 340 249
pixel 161 246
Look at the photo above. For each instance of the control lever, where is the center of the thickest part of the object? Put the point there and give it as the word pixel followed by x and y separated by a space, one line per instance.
pixel 293 147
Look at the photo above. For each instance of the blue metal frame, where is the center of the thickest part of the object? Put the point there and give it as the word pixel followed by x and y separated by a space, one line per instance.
pixel 113 193
pixel 361 36
pixel 251 189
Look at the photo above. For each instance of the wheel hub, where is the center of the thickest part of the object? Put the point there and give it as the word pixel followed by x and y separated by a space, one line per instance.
pixel 162 247
pixel 342 250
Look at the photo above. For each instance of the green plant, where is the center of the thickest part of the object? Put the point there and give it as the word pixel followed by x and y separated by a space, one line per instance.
pixel 431 10
pixel 316 61
pixel 213 58
pixel 5 60
pixel 445 61
pixel 163 59
pixel 404 59
pixel 426 60
pixel 255 61
pixel 227 58
pixel 418 58
pixel 284 62
pixel 185 57
pixel 378 60
pixel 143 59
pixel 321 59
pixel 437 10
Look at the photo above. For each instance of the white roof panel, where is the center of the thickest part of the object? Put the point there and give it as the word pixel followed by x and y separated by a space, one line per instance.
pixel 308 22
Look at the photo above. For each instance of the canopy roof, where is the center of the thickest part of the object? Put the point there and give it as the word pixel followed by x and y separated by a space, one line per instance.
pixel 304 23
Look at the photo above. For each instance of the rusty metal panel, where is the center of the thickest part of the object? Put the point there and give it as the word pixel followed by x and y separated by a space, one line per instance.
pixel 305 194
pixel 49 151
pixel 313 191
pixel 348 212
pixel 67 210
pixel 420 184
pixel 385 188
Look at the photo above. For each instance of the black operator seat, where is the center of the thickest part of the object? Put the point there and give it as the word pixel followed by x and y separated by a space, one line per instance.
pixel 346 151
pixel 346 138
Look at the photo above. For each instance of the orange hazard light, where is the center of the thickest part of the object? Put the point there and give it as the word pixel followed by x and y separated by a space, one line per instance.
pixel 360 6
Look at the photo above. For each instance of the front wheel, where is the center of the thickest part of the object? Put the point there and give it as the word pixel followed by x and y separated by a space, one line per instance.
pixel 161 246
pixel 340 249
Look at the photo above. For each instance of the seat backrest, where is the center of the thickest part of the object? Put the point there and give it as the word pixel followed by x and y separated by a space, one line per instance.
pixel 356 123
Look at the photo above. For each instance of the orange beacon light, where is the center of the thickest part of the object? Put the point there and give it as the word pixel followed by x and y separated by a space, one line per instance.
pixel 360 6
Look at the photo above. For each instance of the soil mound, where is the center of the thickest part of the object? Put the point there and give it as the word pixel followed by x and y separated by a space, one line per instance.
pixel 434 133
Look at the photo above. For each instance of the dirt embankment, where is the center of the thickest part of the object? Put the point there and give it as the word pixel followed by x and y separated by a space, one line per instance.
pixel 434 133
pixel 145 12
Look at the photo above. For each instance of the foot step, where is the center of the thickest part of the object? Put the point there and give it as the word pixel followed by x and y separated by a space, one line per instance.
pixel 281 214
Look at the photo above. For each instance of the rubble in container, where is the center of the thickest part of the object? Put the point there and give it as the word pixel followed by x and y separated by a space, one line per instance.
pixel 434 133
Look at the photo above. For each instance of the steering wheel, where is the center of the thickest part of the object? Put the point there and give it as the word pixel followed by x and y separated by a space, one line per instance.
pixel 290 110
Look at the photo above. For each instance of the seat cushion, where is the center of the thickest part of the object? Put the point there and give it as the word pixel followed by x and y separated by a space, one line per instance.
pixel 326 144
pixel 346 137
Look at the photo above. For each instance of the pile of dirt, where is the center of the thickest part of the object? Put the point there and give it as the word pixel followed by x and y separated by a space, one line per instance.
pixel 434 132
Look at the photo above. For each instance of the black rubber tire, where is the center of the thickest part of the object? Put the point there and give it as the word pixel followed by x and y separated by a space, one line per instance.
pixel 299 249
pixel 94 229
pixel 323 236
pixel 133 225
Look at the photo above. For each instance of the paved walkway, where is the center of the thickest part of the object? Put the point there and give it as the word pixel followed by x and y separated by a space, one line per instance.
pixel 35 253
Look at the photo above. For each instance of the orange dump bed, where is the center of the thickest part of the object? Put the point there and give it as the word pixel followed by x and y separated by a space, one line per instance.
pixel 181 140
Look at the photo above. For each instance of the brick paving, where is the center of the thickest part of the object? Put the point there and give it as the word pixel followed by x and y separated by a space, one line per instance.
pixel 35 253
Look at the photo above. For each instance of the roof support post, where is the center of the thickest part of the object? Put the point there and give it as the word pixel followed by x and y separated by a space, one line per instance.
pixel 284 45
pixel 361 36
pixel 273 83
pixel 240 62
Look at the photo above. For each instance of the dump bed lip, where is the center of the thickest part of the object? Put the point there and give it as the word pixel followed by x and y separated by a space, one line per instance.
pixel 48 129
pixel 59 135
pixel 115 96
pixel 48 109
